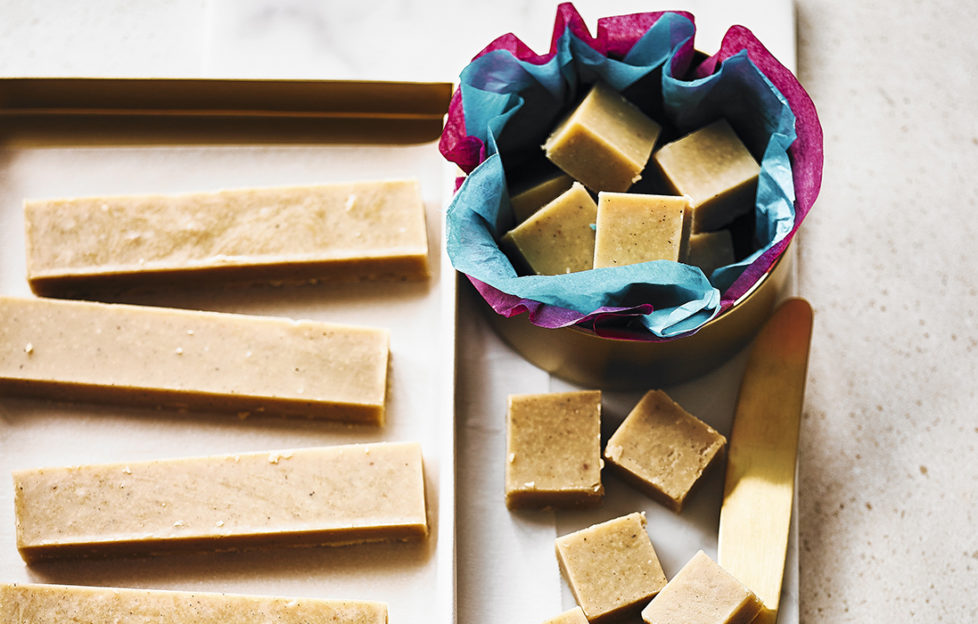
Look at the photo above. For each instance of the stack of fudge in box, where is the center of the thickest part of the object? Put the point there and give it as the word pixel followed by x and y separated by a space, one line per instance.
pixel 554 459
pixel 688 200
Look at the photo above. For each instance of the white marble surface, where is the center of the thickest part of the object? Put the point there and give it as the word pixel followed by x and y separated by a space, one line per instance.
pixel 888 477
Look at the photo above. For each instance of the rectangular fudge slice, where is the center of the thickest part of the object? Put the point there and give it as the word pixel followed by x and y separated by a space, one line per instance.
pixel 327 495
pixel 553 446
pixel 343 231
pixel 612 568
pixel 66 604
pixel 662 449
pixel 99 352
pixel 573 616
pixel 605 142
pixel 711 250
pixel 702 592
pixel 634 228
pixel 557 238
pixel 713 168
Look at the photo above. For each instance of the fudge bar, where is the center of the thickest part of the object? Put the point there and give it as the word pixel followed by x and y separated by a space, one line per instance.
pixel 357 230
pixel 63 604
pixel 78 350
pixel 325 495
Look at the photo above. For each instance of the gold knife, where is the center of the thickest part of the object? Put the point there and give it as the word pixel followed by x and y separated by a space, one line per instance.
pixel 760 479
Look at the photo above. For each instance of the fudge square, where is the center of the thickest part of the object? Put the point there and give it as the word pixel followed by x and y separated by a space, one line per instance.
pixel 633 228
pixel 530 196
pixel 715 170
pixel 611 567
pixel 557 238
pixel 663 449
pixel 711 250
pixel 702 592
pixel 553 446
pixel 573 616
pixel 605 142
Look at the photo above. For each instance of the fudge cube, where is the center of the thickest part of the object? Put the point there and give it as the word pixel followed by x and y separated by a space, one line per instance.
pixel 663 449
pixel 529 196
pixel 574 616
pixel 633 228
pixel 558 238
pixel 605 142
pixel 711 250
pixel 714 169
pixel 554 449
pixel 612 568
pixel 702 592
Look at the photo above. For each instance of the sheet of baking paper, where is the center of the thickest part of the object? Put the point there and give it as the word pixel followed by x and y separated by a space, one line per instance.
pixel 505 559
pixel 408 576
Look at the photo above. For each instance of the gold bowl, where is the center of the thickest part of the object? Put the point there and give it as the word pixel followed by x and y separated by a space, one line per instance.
pixel 586 359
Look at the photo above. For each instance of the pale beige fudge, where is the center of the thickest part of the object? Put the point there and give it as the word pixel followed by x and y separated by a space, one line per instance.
pixel 663 449
pixel 612 568
pixel 573 616
pixel 559 237
pixel 527 200
pixel 711 250
pixel 634 228
pixel 73 604
pixel 77 350
pixel 702 592
pixel 553 445
pixel 336 231
pixel 324 495
pixel 713 168
pixel 605 142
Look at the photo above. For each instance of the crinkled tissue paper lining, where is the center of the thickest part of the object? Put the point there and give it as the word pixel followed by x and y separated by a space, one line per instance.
pixel 508 95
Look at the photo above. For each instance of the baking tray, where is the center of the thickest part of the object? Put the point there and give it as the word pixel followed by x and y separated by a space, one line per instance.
pixel 91 136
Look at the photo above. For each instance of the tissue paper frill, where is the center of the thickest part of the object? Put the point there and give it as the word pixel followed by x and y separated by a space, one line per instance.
pixel 510 98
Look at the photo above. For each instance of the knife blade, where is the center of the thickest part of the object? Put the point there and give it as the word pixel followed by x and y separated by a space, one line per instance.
pixel 761 456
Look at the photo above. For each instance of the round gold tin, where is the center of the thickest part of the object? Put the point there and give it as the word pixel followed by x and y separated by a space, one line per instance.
pixel 583 358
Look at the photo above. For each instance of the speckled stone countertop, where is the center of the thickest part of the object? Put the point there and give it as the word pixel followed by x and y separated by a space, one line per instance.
pixel 888 473
pixel 889 477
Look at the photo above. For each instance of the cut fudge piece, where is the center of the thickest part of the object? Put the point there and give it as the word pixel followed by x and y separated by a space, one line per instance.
pixel 663 449
pixel 530 197
pixel 702 592
pixel 559 237
pixel 63 604
pixel 711 250
pixel 327 495
pixel 612 568
pixel 605 142
pixel 553 444
pixel 633 228
pixel 356 230
pixel 79 350
pixel 713 168
pixel 573 616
